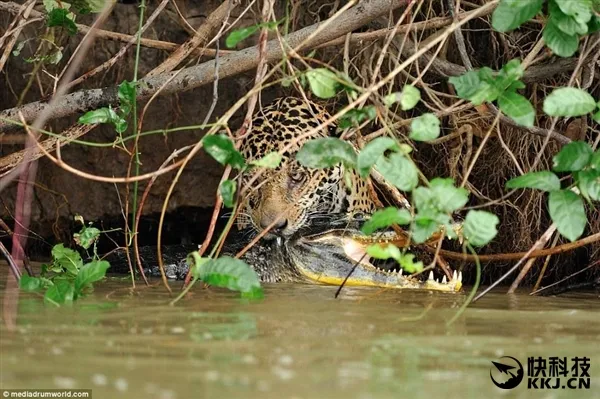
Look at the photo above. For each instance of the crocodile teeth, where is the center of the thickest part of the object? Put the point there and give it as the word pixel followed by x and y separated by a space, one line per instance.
pixel 444 281
pixel 431 276
pixel 460 276
pixel 454 276
pixel 400 272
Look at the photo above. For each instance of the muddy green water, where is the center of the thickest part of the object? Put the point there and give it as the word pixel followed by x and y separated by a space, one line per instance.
pixel 299 342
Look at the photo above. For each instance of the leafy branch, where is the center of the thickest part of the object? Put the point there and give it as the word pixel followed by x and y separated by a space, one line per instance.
pixel 67 278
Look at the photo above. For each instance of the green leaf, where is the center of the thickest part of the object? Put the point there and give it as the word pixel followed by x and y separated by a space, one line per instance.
pixel 404 148
pixel 221 148
pixel 104 115
pixel 230 273
pixel 326 152
pixel 86 236
pixel 564 22
pixel 562 44
pixel 596 117
pixel 269 161
pixel 384 251
pixel 516 85
pixel 432 211
pixel 372 152
pixel 510 14
pixel 589 184
pixel 408 98
pixel 595 160
pixel 449 198
pixel 348 179
pixel 385 218
pixel 398 170
pixel 543 180
pixel 196 261
pixel 425 128
pixel 507 79
pixel 476 86
pixel 407 261
pixel 30 284
pixel 50 5
pixel 387 251
pixel 61 17
pixel 423 229
pixel 90 273
pixel 238 35
pixel 435 214
pixel 101 115
pixel 67 259
pixel 120 125
pixel 568 213
pixel 480 227
pixel 61 292
pixel 227 191
pixel 511 72
pixel 518 108
pixel 323 82
pixel 569 101
pixel 467 85
pixel 572 157
pixel 594 25
pixel 356 116
pixel 424 198
pixel 126 96
pixel 490 88
pixel 580 10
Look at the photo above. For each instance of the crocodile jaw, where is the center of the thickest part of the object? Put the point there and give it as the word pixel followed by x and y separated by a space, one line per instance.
pixel 328 259
pixel 357 252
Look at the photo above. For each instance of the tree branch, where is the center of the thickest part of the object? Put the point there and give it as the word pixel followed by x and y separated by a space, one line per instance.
pixel 534 73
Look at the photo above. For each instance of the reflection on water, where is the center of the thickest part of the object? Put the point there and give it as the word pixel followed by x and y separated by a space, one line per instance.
pixel 298 342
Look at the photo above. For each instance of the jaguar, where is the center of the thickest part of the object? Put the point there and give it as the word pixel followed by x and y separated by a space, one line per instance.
pixel 291 196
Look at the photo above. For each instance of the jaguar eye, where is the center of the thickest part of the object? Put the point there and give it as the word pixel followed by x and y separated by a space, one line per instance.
pixel 297 176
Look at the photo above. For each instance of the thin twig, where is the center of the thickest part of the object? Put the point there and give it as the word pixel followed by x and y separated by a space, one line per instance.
pixel 25 259
pixel 546 263
pixel 544 238
pixel 595 264
pixel 145 194
pixel 11 262
pixel 539 244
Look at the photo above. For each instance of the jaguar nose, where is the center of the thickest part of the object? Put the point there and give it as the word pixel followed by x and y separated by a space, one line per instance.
pixel 277 228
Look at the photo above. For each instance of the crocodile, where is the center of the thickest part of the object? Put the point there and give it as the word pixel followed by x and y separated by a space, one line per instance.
pixel 330 256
